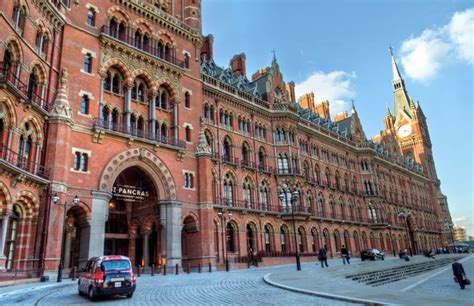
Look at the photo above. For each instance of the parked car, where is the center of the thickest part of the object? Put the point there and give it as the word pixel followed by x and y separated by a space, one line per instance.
pixel 372 254
pixel 107 275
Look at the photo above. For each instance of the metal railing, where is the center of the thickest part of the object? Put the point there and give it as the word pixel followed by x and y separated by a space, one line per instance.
pixel 9 78
pixel 124 129
pixel 148 47
pixel 23 163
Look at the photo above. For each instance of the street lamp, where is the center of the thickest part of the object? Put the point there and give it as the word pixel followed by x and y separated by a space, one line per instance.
pixel 55 200
pixel 405 215
pixel 223 217
pixel 294 198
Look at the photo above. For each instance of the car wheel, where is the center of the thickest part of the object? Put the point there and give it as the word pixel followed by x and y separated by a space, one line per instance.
pixel 91 294
pixel 129 295
pixel 362 259
pixel 383 258
pixel 80 292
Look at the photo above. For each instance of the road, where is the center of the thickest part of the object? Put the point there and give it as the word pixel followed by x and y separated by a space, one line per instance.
pixel 235 287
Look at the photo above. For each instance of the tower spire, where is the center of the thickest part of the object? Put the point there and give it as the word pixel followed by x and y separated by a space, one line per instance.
pixel 395 72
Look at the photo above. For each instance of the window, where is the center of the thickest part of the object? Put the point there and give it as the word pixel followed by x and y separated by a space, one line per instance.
pixel 186 61
pixel 188 180
pixel 188 134
pixel 282 163
pixel 41 43
pixel 91 17
pixel 187 100
pixel 87 67
pixel 12 236
pixel 85 104
pixel 19 17
pixel 80 161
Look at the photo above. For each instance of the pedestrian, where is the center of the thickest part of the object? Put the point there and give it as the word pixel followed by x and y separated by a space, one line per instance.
pixel 459 274
pixel 323 258
pixel 345 255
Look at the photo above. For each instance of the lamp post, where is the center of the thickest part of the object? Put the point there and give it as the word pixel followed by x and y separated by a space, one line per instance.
pixel 343 234
pixel 391 238
pixel 294 198
pixel 405 215
pixel 222 215
pixel 75 202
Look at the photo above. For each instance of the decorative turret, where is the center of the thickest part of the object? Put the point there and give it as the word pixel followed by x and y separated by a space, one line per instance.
pixel 389 120
pixel 61 108
pixel 203 149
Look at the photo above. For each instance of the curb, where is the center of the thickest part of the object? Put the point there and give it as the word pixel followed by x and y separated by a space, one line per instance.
pixel 266 279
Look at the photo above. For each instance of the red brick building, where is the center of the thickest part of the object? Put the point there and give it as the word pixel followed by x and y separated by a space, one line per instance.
pixel 115 118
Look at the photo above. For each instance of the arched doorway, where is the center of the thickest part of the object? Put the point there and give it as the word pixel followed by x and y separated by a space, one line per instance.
pixel 131 228
pixel 76 234
pixel 189 238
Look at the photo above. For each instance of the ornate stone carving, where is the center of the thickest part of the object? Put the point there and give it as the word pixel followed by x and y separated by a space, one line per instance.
pixel 61 108
pixel 202 149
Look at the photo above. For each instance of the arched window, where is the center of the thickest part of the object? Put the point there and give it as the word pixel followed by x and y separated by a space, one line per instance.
pixel 268 239
pixel 32 85
pixel 227 150
pixel 261 159
pixel 230 238
pixel 7 61
pixel 228 190
pixel 140 126
pixel 264 193
pixel 164 132
pixel 138 39
pixel 247 193
pixel 12 236
pixel 42 43
pixel 317 173
pixel 139 90
pixel 245 154
pixel 25 146
pixel 115 116
pixel 285 198
pixel 300 240
pixel 133 123
pixel 164 99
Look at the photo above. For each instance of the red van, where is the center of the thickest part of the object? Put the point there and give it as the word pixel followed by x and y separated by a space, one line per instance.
pixel 107 275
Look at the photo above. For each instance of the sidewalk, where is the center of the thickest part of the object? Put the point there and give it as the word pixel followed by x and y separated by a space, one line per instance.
pixel 311 281
pixel 31 286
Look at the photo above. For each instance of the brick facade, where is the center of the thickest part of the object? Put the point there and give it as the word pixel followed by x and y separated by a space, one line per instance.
pixel 101 95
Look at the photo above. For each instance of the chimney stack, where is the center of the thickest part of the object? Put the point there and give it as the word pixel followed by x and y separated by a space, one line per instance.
pixel 237 64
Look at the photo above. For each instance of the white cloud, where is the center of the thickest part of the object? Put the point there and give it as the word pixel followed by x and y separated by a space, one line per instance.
pixel 335 86
pixel 422 57
pixel 461 33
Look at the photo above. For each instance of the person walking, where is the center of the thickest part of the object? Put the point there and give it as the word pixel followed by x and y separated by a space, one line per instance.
pixel 459 274
pixel 323 258
pixel 345 255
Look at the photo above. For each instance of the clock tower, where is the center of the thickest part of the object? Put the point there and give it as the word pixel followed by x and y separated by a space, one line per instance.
pixel 410 125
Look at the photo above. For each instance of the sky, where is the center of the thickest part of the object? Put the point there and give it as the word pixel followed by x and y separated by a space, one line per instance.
pixel 339 50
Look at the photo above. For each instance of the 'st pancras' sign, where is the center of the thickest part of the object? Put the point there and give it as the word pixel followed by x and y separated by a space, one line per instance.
pixel 131 193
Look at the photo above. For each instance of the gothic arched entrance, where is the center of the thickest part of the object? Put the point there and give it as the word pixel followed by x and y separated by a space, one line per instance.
pixel 131 228
pixel 135 211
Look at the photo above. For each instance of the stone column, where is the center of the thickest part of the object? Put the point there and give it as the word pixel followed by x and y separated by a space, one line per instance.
pixel 152 115
pixel 127 106
pixel 170 218
pixel 3 239
pixel 100 213
pixel 145 251
pixel 101 99
pixel 67 246
pixel 176 123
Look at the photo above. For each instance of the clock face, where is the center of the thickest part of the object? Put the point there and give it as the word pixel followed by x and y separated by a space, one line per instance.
pixel 404 130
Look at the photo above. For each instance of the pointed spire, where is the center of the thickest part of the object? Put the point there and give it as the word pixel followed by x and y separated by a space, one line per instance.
pixel 353 110
pixel 395 72
pixel 274 55
pixel 389 113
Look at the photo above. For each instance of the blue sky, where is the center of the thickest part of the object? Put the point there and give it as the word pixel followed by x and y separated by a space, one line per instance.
pixel 339 50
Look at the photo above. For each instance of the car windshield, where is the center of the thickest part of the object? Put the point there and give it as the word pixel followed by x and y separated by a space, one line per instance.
pixel 116 265
pixel 375 251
